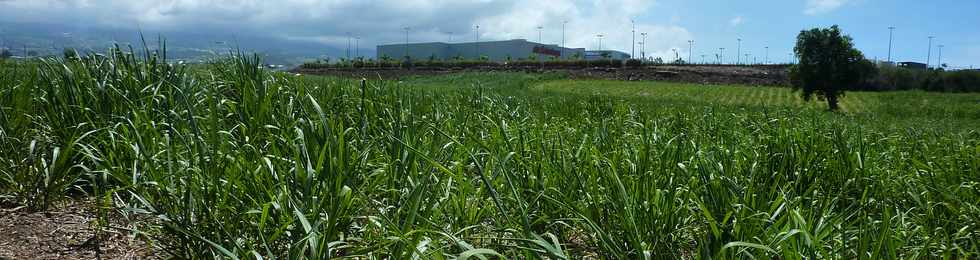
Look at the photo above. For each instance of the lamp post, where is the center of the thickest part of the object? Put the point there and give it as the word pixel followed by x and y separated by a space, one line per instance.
pixel 738 52
pixel 633 30
pixel 721 56
pixel 348 45
pixel 539 33
pixel 356 40
pixel 563 23
pixel 690 51
pixel 476 46
pixel 929 53
pixel 643 49
pixel 406 42
pixel 599 36
pixel 939 63
pixel 767 56
pixel 891 31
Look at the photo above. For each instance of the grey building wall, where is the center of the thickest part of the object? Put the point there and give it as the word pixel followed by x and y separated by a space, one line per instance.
pixel 494 50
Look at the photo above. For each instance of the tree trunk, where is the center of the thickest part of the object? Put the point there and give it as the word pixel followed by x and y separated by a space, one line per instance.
pixel 832 102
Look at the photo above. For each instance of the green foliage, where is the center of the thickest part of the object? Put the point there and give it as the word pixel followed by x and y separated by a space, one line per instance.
pixel 232 161
pixel 895 78
pixel 828 64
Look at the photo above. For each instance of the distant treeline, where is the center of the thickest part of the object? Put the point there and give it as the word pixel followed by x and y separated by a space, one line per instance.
pixel 889 78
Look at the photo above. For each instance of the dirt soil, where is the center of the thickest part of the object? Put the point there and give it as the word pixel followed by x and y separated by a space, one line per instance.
pixel 66 231
pixel 743 75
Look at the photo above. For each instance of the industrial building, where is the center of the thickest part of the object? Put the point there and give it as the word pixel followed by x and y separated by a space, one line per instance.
pixel 494 50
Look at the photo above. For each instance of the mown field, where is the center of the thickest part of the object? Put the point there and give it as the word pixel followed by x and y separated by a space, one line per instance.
pixel 231 161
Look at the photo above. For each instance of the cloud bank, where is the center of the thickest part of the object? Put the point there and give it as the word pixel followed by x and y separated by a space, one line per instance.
pixel 375 21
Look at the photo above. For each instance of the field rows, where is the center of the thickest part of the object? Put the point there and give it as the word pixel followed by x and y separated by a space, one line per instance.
pixel 237 162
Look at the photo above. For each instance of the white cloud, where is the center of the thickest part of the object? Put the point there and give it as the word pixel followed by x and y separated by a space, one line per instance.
pixel 376 21
pixel 738 20
pixel 815 7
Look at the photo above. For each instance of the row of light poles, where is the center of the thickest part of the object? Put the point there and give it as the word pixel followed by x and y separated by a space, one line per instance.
pixel 939 62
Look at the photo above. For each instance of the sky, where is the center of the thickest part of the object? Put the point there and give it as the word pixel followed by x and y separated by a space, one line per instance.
pixel 669 24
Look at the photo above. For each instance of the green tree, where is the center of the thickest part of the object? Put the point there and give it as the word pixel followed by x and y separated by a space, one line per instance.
pixel 828 64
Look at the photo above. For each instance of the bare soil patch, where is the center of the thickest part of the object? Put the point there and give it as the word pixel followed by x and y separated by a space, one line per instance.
pixel 743 75
pixel 66 231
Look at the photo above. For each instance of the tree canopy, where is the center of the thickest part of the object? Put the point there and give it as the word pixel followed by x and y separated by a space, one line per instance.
pixel 828 64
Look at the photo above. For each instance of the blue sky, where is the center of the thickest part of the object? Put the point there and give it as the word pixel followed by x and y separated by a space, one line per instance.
pixel 712 24
pixel 771 23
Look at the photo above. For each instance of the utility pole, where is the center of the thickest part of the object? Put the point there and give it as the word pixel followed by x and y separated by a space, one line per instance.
pixel 738 53
pixel 746 58
pixel 702 58
pixel 891 31
pixel 643 49
pixel 633 26
pixel 929 54
pixel 450 37
pixel 690 51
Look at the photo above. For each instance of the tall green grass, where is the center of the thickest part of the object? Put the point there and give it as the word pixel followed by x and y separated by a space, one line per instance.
pixel 233 161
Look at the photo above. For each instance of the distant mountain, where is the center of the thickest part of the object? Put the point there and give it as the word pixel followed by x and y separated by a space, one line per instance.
pixel 49 39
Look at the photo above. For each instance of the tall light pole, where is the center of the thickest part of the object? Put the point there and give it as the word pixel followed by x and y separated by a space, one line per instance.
pixel 738 53
pixel 450 37
pixel 767 56
pixel 633 30
pixel 539 33
pixel 563 23
pixel 406 42
pixel 891 32
pixel 702 58
pixel 643 49
pixel 721 56
pixel 348 45
pixel 939 63
pixel 599 36
pixel 690 51
pixel 476 46
pixel 746 58
pixel 929 53
pixel 356 40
